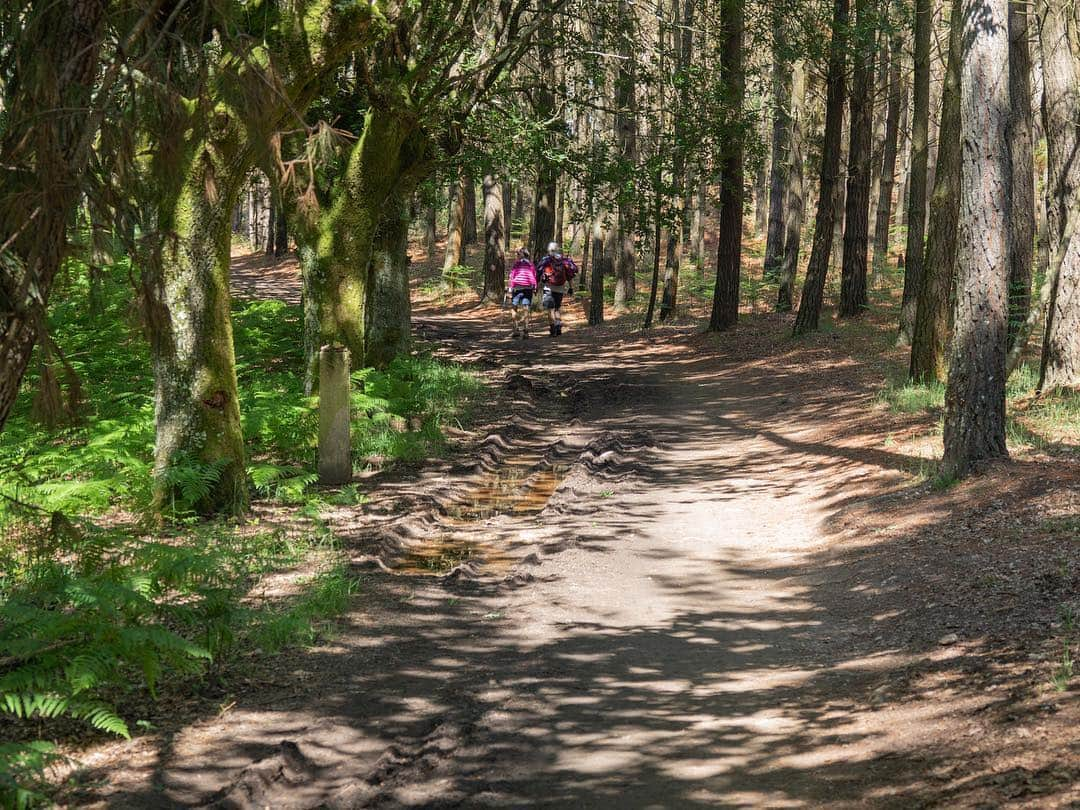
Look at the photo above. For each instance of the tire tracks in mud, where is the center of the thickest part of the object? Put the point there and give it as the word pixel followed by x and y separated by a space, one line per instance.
pixel 548 430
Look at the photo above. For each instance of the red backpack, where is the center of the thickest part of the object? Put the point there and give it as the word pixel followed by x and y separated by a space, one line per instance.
pixel 556 273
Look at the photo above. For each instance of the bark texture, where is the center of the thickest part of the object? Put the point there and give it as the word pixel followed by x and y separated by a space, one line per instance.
pixel 853 297
pixel 821 247
pixel 196 401
pixel 929 344
pixel 455 227
pixel 780 167
pixel 725 309
pixel 626 131
pixel 1021 262
pixel 1060 367
pixel 975 397
pixel 795 205
pixel 494 257
pixel 917 175
pixel 883 220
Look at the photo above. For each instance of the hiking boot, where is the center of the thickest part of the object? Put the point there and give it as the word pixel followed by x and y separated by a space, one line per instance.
pixel 551 329
pixel 558 328
pixel 515 333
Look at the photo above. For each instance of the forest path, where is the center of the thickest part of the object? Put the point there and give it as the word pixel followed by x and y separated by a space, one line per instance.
pixel 701 616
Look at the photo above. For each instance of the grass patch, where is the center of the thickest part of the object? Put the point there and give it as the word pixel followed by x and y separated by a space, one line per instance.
pixel 909 397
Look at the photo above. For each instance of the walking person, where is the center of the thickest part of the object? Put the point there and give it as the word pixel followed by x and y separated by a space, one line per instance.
pixel 556 273
pixel 522 286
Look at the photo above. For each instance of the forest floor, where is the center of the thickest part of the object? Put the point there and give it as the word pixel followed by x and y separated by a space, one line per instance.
pixel 665 570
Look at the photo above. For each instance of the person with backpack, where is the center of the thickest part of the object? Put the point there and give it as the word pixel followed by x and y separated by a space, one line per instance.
pixel 520 291
pixel 556 273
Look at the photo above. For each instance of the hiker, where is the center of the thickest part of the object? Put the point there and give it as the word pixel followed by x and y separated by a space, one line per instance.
pixel 556 275
pixel 522 286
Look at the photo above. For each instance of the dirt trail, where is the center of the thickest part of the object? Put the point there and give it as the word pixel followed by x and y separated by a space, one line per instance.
pixel 700 616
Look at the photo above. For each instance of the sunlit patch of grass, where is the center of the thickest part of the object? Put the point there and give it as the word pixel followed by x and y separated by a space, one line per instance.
pixel 304 618
pixel 909 397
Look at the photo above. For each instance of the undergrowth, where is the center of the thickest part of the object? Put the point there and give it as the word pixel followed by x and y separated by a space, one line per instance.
pixel 99 611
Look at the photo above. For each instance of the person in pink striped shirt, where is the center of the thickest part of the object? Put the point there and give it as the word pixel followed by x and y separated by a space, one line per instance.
pixel 522 287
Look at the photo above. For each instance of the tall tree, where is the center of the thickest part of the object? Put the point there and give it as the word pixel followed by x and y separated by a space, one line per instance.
pixel 975 396
pixel 780 163
pixel 547 173
pixel 725 308
pixel 1060 367
pixel 883 220
pixel 795 204
pixel 455 225
pixel 494 258
pixel 916 206
pixel 813 289
pixel 468 187
pixel 1021 261
pixel 626 129
pixel 853 297
pixel 929 343
pixel 681 190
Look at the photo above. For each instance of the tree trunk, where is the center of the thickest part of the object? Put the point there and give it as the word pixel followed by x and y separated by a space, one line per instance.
pixel 761 182
pixel 881 103
pixel 816 270
pixel 781 149
pixel 468 187
pixel 508 213
pixel 793 216
pixel 725 309
pixel 271 228
pixel 699 205
pixel 1023 167
pixel 547 174
pixel 494 258
pixel 430 224
pixel 196 404
pixel 684 46
pixel 887 185
pixel 920 121
pixel 281 232
pixel 44 152
pixel 602 246
pixel 626 134
pixel 1060 367
pixel 363 293
pixel 904 148
pixel 936 298
pixel 853 298
pixel 975 397
pixel 455 227
pixel 387 309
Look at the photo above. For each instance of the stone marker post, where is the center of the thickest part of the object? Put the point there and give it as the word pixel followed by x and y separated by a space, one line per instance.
pixel 335 456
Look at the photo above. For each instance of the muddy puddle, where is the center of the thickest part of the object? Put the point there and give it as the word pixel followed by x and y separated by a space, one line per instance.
pixel 519 489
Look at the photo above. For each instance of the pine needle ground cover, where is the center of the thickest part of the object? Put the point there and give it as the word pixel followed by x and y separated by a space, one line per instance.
pixel 101 604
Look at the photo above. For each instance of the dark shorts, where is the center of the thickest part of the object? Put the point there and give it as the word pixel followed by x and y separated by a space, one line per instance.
pixel 552 299
pixel 521 296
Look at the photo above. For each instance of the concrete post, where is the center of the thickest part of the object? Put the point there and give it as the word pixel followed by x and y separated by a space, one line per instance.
pixel 335 449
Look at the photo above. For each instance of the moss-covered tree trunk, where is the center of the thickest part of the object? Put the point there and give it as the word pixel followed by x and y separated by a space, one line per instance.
pixel 387 309
pixel 197 411
pixel 360 281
